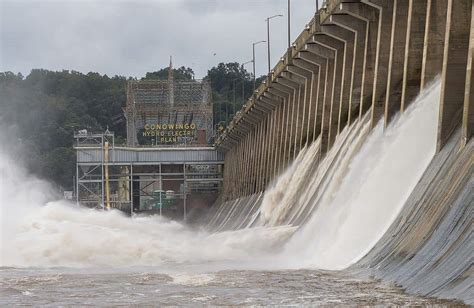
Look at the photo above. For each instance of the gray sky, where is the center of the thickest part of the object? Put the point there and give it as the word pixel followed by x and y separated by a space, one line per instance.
pixel 132 37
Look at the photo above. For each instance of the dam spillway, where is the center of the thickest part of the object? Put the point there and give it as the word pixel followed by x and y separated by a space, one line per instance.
pixel 354 70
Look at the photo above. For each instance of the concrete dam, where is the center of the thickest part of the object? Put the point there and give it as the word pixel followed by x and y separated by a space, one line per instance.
pixel 361 139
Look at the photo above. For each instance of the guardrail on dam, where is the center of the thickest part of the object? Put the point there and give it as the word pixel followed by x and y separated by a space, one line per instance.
pixel 352 58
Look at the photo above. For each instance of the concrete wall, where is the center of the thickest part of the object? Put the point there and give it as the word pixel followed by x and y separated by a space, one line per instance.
pixel 353 57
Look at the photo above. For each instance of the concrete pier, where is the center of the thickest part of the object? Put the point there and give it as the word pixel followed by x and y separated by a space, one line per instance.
pixel 352 58
pixel 358 28
pixel 415 38
pixel 382 57
pixel 396 61
pixel 346 54
pixel 468 112
pixel 435 32
pixel 454 72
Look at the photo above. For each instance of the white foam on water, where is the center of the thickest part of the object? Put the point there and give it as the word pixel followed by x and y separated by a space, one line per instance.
pixel 57 234
pixel 192 279
pixel 36 232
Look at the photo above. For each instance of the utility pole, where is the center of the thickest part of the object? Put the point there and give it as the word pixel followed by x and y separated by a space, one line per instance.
pixel 253 60
pixel 268 38
pixel 233 90
pixel 289 23
pixel 243 81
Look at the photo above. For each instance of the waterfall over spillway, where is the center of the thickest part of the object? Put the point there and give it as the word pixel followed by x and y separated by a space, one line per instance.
pixel 345 202
pixel 369 189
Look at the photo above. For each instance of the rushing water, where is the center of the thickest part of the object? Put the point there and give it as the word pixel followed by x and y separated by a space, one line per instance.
pixel 54 253
pixel 368 189
pixel 230 287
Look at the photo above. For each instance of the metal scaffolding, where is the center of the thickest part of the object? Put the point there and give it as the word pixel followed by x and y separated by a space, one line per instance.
pixel 152 180
pixel 175 102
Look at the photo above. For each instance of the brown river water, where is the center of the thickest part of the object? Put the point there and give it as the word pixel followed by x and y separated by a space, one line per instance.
pixel 147 286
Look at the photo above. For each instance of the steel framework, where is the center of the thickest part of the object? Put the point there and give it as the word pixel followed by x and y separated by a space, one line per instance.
pixel 169 102
pixel 108 176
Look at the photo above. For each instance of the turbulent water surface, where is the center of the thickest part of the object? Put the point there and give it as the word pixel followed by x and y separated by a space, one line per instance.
pixel 292 245
pixel 229 287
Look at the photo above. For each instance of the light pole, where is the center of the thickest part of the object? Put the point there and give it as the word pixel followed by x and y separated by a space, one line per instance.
pixel 243 79
pixel 243 84
pixel 226 112
pixel 316 14
pixel 233 90
pixel 268 38
pixel 253 60
pixel 289 23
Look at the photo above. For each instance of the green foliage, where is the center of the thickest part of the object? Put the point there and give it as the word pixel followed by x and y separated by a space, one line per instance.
pixel 182 73
pixel 45 109
pixel 222 76
pixel 231 86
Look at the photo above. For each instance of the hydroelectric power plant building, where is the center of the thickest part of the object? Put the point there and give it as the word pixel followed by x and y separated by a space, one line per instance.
pixel 168 165
pixel 355 67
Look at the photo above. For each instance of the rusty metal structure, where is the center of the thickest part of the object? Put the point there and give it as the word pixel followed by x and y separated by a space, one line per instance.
pixel 170 103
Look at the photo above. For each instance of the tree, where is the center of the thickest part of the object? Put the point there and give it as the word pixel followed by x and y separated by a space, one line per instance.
pixel 45 108
pixel 182 73
pixel 231 86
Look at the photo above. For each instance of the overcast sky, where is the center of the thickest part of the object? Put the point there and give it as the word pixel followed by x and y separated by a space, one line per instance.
pixel 132 37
